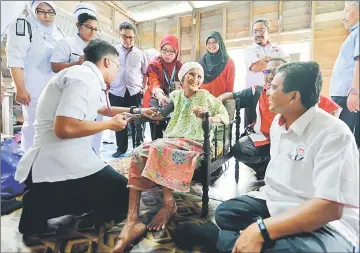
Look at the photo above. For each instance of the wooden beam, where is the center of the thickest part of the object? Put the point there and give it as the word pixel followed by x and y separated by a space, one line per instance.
pixel 191 4
pixel 329 16
pixel 193 35
pixel 224 23
pixel 178 34
pixel 111 4
pixel 313 10
pixel 154 35
pixel 251 16
pixel 197 36
pixel 113 25
pixel 280 11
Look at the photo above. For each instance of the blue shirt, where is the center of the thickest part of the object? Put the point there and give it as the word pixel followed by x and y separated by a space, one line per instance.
pixel 343 72
pixel 133 66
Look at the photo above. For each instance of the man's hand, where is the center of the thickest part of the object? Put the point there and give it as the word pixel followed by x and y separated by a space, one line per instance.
pixel 265 58
pixel 353 102
pixel 162 98
pixel 118 122
pixel 149 111
pixel 81 60
pixel 23 97
pixel 250 240
pixel 199 111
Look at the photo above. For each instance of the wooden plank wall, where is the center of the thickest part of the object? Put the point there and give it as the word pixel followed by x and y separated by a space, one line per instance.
pixel 318 22
pixel 329 34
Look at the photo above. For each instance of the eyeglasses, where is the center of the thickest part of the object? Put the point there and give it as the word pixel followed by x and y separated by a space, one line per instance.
pixel 165 51
pixel 125 37
pixel 260 31
pixel 90 28
pixel 117 65
pixel 269 71
pixel 43 12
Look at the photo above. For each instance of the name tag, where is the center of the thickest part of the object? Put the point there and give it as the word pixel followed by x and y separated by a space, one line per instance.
pixel 20 27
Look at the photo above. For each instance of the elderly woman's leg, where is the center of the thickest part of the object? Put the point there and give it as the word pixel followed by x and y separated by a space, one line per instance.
pixel 133 227
pixel 166 211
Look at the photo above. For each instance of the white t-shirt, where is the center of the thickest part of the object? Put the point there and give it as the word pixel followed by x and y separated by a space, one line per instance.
pixel 253 54
pixel 75 92
pixel 316 157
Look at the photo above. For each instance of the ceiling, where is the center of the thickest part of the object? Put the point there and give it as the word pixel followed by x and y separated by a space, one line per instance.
pixel 142 11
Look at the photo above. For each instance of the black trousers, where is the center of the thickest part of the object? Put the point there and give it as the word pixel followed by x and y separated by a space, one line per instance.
pixel 104 192
pixel 256 158
pixel 237 214
pixel 350 118
pixel 126 101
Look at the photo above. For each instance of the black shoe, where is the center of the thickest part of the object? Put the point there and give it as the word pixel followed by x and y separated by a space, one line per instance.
pixel 189 235
pixel 117 154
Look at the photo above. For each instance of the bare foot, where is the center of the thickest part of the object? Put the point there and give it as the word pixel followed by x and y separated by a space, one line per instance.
pixel 131 231
pixel 163 217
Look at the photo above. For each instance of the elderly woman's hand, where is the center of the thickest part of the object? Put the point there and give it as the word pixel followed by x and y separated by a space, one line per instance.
pixel 199 111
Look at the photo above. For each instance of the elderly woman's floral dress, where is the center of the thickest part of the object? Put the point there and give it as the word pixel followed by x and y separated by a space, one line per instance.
pixel 171 161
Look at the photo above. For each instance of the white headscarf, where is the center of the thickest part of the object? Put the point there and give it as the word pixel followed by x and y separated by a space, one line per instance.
pixel 187 67
pixel 32 18
pixel 82 8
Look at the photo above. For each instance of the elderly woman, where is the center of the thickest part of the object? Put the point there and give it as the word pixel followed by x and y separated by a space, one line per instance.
pixel 170 162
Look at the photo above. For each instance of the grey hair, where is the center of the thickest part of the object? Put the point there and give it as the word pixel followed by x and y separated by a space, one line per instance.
pixel 353 3
pixel 265 21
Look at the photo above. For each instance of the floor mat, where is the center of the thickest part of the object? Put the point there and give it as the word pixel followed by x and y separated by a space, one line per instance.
pixel 89 240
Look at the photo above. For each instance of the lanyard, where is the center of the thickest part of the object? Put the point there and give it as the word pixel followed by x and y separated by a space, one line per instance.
pixel 172 77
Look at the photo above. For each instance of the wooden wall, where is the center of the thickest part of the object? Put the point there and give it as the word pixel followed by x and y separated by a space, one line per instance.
pixel 329 34
pixel 318 22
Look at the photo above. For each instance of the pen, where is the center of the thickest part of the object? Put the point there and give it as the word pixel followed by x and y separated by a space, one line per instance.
pixel 75 54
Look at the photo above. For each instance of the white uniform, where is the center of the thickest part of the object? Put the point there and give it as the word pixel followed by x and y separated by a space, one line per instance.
pixel 69 50
pixel 34 58
pixel 253 54
pixel 10 10
pixel 74 92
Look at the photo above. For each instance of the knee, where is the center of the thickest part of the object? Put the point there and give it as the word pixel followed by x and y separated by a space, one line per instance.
pixel 220 214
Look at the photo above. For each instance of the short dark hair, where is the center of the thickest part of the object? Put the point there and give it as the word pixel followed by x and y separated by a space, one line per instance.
pixel 127 25
pixel 277 59
pixel 82 18
pixel 265 21
pixel 97 49
pixel 304 77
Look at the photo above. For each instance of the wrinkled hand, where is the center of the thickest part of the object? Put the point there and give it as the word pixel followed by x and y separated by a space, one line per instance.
pixel 23 97
pixel 149 111
pixel 250 240
pixel 81 60
pixel 199 111
pixel 118 122
pixel 353 102
pixel 221 98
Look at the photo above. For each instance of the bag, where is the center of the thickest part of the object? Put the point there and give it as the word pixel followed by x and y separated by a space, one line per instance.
pixel 10 157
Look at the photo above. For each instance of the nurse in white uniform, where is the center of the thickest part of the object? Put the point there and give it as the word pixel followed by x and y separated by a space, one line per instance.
pixel 29 48
pixel 70 51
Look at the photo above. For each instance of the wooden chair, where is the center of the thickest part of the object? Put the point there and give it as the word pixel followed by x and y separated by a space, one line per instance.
pixel 209 163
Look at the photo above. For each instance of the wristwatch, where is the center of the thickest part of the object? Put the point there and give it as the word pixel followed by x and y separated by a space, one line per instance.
pixel 353 91
pixel 264 232
pixel 132 109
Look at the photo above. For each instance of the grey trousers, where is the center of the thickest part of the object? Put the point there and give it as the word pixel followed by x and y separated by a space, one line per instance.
pixel 238 213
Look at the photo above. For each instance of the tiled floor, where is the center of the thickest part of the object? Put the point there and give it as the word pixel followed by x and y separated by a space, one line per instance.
pixel 224 188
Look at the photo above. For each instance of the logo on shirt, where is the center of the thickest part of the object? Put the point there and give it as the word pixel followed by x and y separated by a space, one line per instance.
pixel 298 155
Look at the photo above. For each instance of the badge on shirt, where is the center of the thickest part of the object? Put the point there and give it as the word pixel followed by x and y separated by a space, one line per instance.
pixel 298 155
pixel 20 27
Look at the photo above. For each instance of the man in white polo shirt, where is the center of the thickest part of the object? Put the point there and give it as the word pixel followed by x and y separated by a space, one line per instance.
pixel 310 201
pixel 257 56
pixel 62 173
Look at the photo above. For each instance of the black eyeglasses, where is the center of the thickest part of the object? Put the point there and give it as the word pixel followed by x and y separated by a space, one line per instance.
pixel 125 37
pixel 165 51
pixel 43 12
pixel 90 28
pixel 269 71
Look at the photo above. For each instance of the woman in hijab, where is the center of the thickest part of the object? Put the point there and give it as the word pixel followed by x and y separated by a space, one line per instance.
pixel 162 72
pixel 219 68
pixel 170 162
pixel 70 51
pixel 29 48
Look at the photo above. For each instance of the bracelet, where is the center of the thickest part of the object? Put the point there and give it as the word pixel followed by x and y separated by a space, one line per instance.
pixel 263 230
pixel 353 91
